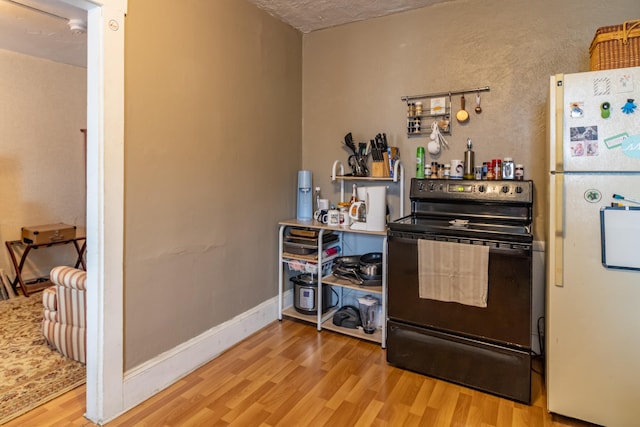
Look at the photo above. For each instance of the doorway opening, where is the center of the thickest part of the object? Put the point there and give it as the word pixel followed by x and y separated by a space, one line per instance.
pixel 105 203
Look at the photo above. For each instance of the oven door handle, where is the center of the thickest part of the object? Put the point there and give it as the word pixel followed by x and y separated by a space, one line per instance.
pixel 512 248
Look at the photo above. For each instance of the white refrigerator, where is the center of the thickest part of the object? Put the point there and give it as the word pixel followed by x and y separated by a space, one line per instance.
pixel 593 249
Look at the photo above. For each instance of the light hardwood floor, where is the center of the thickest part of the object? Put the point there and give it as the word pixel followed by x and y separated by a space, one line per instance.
pixel 288 374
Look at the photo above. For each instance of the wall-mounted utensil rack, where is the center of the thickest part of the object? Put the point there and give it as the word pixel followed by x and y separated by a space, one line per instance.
pixel 419 119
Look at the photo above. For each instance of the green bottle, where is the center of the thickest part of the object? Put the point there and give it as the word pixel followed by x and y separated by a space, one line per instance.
pixel 420 163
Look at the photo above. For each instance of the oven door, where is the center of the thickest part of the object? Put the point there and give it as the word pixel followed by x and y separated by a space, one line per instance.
pixel 507 318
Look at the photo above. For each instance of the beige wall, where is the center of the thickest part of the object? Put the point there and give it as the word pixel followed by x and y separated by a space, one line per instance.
pixel 212 147
pixel 354 76
pixel 42 150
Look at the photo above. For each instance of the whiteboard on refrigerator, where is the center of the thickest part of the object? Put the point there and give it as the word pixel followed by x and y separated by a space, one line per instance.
pixel 620 237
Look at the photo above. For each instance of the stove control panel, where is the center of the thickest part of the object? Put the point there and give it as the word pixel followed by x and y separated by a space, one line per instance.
pixel 449 189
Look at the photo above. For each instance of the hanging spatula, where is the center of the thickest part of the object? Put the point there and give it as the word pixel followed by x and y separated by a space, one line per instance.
pixel 348 141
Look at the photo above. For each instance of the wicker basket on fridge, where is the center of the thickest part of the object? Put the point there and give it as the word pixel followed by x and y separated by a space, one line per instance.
pixel 616 46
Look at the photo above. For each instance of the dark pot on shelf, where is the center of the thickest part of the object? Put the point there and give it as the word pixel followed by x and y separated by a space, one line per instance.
pixel 350 261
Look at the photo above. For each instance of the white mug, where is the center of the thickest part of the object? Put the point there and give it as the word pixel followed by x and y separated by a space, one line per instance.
pixel 333 217
pixel 457 169
pixel 321 216
pixel 345 219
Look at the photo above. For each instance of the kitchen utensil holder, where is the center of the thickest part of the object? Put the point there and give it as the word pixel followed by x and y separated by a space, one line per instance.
pixel 358 165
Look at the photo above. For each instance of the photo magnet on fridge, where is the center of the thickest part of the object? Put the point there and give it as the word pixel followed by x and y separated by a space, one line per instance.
pixel 576 109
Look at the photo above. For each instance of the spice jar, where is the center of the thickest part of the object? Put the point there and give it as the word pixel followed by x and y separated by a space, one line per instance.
pixel 411 109
pixel 491 170
pixel 508 168
pixel 447 171
pixel 497 169
pixel 416 124
pixel 519 173
pixel 477 173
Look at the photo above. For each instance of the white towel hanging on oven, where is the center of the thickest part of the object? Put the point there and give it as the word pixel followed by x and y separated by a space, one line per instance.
pixel 454 272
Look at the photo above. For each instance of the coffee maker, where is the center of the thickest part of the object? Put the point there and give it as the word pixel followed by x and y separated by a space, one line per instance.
pixel 373 201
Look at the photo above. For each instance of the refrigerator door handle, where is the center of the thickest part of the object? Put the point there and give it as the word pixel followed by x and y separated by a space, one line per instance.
pixel 558 230
pixel 558 105
pixel 558 209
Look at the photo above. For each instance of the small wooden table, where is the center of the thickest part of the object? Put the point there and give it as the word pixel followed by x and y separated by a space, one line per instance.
pixel 35 285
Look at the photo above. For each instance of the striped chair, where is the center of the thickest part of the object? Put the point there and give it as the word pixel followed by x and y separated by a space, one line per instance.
pixel 65 306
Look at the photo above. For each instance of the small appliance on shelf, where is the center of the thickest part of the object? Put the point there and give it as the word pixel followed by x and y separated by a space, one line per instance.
pixel 373 217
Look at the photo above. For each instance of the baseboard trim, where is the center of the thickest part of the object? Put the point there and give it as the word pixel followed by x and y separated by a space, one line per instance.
pixel 149 378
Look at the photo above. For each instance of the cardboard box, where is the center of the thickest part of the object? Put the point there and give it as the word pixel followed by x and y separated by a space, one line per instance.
pixel 50 233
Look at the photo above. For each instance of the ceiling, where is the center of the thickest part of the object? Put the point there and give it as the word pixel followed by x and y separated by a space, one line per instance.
pixel 311 15
pixel 40 28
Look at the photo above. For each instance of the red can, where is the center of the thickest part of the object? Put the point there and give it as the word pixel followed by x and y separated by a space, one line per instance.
pixel 491 168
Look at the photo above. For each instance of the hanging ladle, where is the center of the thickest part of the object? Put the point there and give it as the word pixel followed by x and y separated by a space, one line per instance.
pixel 478 109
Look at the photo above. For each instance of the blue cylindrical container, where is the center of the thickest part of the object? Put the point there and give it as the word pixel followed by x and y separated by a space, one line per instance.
pixel 305 196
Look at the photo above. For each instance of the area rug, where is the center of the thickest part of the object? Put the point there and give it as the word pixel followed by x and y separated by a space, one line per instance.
pixel 31 373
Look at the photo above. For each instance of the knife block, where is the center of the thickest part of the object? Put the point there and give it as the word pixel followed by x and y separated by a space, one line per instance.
pixel 381 169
